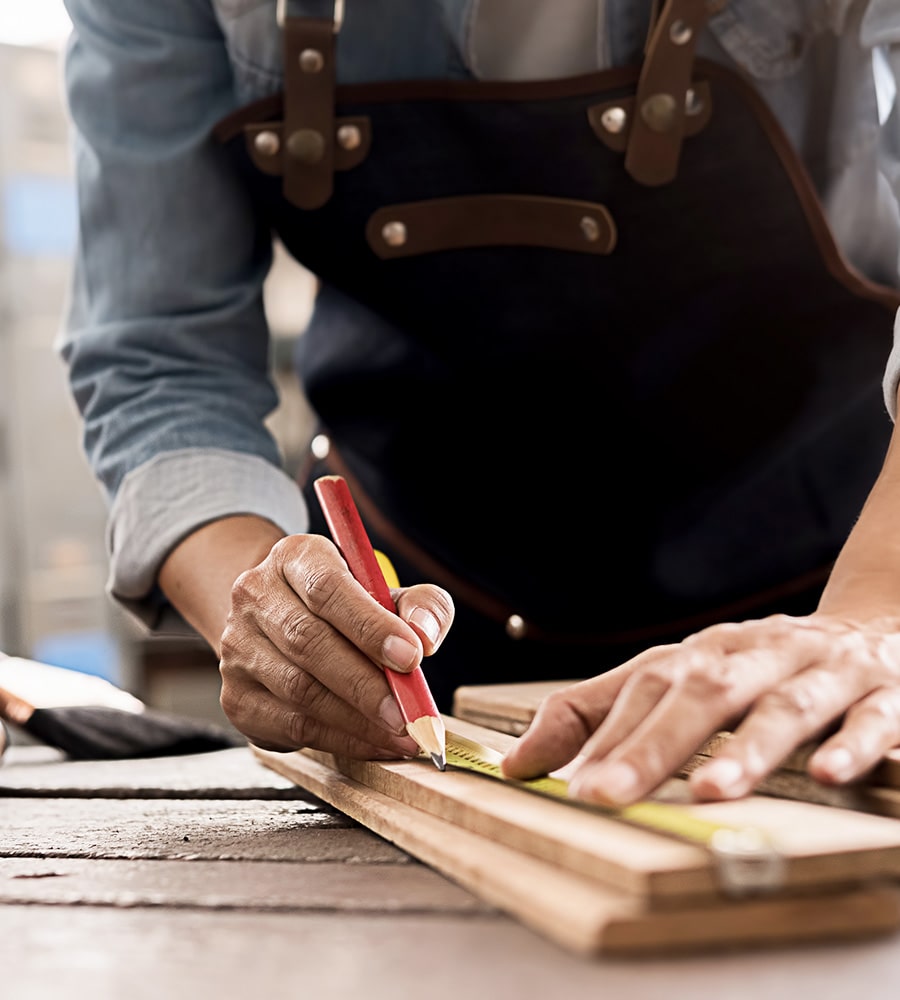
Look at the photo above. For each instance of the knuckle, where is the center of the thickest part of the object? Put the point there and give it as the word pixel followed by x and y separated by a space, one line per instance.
pixel 363 687
pixel 299 730
pixel 297 687
pixel 880 709
pixel 230 702
pixel 713 681
pixel 655 676
pixel 557 711
pixel 720 637
pixel 778 628
pixel 795 700
pixel 246 588
pixel 322 585
pixel 302 634
pixel 443 605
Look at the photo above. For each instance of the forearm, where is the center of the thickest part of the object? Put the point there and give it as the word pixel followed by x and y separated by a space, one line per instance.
pixel 865 581
pixel 199 573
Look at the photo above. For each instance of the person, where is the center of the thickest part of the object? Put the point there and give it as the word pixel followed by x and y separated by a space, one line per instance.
pixel 601 345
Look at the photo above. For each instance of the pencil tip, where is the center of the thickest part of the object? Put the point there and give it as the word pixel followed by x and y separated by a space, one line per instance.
pixel 440 761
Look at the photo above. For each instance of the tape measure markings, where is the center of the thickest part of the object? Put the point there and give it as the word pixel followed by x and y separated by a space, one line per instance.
pixel 746 859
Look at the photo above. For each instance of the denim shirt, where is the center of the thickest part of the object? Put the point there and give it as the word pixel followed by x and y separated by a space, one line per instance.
pixel 166 339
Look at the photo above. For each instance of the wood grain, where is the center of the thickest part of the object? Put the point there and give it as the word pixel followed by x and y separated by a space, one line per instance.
pixel 579 912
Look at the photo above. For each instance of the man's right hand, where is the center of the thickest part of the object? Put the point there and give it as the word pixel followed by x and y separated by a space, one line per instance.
pixel 303 649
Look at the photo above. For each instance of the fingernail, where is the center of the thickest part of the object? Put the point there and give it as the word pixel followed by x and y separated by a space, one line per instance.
pixel 838 763
pixel 391 715
pixel 400 654
pixel 726 776
pixel 616 783
pixel 426 623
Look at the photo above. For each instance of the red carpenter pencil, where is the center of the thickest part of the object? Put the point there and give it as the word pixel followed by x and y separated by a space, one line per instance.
pixel 423 720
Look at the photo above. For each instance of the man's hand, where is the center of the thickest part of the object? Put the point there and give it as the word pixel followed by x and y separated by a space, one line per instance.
pixel 301 644
pixel 778 682
pixel 303 648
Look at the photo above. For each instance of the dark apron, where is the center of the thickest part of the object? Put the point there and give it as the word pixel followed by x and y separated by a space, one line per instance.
pixel 588 354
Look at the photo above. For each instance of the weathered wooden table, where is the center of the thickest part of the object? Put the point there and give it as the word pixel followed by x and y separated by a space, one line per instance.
pixel 211 876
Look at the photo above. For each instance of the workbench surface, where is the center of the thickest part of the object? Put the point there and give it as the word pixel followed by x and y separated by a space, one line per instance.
pixel 212 876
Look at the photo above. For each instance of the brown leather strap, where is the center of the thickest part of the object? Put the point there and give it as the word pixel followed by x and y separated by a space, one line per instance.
pixel 657 132
pixel 413 228
pixel 309 100
pixel 265 142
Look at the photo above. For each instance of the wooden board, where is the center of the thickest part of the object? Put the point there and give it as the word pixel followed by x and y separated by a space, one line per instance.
pixel 507 708
pixel 580 913
pixel 510 708
pixel 592 882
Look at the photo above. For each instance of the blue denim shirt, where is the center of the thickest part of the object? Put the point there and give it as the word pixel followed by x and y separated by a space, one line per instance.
pixel 166 338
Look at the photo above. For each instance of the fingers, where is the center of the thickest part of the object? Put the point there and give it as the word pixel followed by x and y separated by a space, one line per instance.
pixel 313 569
pixel 429 611
pixel 275 639
pixel 674 697
pixel 562 724
pixel 705 688
pixel 871 728
pixel 791 713
pixel 848 667
pixel 278 705
pixel 272 725
pixel 304 647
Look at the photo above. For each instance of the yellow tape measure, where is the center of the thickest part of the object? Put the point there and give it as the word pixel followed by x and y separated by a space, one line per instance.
pixel 746 859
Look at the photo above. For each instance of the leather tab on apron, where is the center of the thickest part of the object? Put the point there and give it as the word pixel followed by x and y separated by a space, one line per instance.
pixel 657 132
pixel 415 228
pixel 265 141
pixel 309 111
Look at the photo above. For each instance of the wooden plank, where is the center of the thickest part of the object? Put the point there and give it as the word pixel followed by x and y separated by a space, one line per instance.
pixel 507 708
pixel 576 911
pixel 820 846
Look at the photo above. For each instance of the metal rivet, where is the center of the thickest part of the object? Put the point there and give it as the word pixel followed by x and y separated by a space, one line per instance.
pixel 693 103
pixel 267 143
pixel 658 112
pixel 320 446
pixel 349 137
pixel 590 228
pixel 614 120
pixel 307 146
pixel 516 627
pixel 394 234
pixel 311 61
pixel 681 33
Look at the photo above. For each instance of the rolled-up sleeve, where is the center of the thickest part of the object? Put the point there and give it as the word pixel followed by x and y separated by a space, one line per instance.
pixel 166 339
pixel 881 30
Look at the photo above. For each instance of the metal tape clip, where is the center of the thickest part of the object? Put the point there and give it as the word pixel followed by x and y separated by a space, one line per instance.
pixel 747 860
pixel 281 13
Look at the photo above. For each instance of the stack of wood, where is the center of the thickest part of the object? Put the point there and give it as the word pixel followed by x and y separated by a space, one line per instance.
pixel 595 884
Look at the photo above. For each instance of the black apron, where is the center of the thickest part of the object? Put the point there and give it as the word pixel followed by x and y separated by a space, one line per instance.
pixel 585 349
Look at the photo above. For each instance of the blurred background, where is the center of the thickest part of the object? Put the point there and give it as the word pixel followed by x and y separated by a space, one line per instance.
pixel 53 605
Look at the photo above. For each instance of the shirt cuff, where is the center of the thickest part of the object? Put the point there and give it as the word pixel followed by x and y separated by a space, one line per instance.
pixel 892 373
pixel 168 498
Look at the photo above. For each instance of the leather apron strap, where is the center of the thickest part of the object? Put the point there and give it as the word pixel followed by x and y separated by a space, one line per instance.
pixel 309 87
pixel 663 94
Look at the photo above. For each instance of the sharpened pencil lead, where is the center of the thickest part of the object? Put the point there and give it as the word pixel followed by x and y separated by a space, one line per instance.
pixel 440 761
